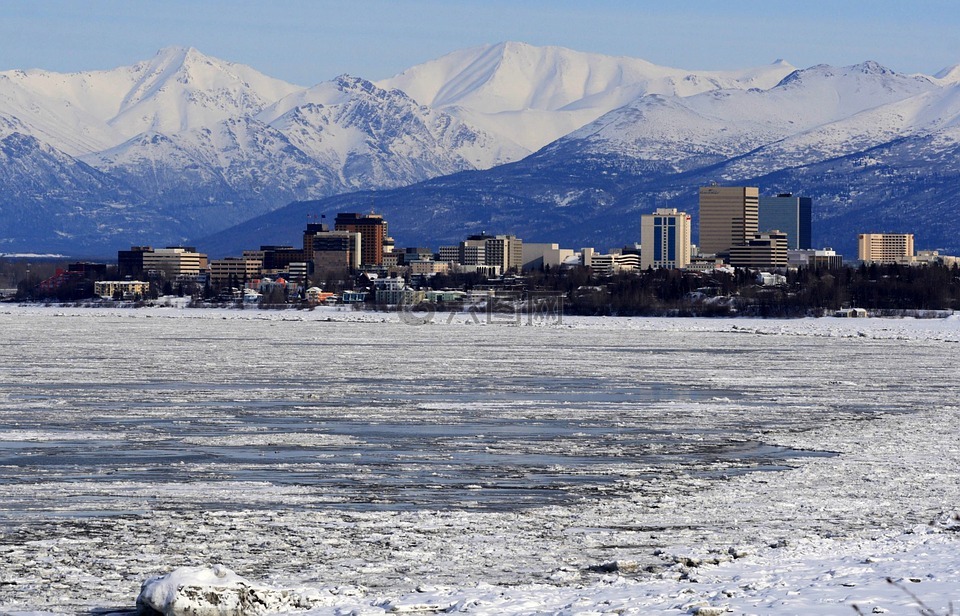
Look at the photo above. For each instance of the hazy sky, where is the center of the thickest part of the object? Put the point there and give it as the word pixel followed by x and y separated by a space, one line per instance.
pixel 309 41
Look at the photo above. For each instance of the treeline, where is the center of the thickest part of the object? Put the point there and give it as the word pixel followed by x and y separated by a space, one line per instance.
pixel 804 292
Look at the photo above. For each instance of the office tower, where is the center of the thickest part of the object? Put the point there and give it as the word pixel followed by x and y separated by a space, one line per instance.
pixel 788 214
pixel 665 239
pixel 335 250
pixel 728 217
pixel 373 233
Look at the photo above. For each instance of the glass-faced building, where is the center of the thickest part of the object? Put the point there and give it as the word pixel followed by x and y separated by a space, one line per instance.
pixel 788 214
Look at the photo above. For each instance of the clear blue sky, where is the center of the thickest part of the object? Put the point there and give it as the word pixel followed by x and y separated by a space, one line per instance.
pixel 309 41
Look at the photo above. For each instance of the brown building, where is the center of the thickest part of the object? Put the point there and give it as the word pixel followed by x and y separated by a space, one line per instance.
pixel 373 233
pixel 336 250
pixel 762 251
pixel 239 270
pixel 728 217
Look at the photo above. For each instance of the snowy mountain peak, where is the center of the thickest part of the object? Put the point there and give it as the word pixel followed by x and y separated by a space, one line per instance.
pixel 181 88
pixel 534 95
pixel 949 75
pixel 872 68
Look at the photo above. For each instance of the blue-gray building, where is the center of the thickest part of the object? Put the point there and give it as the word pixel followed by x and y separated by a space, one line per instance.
pixel 789 214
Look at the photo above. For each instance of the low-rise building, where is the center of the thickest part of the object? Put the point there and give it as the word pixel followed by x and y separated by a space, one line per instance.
pixel 173 261
pixel 538 256
pixel 394 291
pixel 766 250
pixel 427 267
pixel 609 264
pixel 234 269
pixel 824 258
pixel 122 289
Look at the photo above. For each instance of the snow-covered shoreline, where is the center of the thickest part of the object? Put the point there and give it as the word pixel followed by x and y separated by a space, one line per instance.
pixel 814 539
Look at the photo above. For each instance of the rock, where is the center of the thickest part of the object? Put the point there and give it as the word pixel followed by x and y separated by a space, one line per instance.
pixel 213 591
pixel 709 610
pixel 616 566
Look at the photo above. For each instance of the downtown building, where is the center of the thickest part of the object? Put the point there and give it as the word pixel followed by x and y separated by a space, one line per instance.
pixel 488 254
pixel 728 217
pixel 373 235
pixel 665 239
pixel 885 247
pixel 788 214
pixel 762 251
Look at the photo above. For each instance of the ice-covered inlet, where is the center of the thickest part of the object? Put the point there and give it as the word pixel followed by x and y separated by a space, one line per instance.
pixel 602 465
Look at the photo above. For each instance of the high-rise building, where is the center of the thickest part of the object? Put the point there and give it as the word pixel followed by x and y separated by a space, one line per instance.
pixel 728 217
pixel 313 228
pixel 665 239
pixel 503 251
pixel 885 247
pixel 788 214
pixel 336 250
pixel 373 234
pixel 762 251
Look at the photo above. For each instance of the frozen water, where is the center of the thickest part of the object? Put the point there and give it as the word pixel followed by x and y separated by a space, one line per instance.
pixel 366 458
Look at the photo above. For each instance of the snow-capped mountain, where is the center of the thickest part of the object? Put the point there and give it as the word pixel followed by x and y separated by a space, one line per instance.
pixel 687 132
pixel 198 139
pixel 877 151
pixel 534 95
pixel 177 90
pixel 564 145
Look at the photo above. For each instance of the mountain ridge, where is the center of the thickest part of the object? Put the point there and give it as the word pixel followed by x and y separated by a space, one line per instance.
pixel 183 146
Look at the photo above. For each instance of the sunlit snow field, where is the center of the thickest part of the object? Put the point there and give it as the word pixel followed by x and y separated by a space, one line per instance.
pixel 593 466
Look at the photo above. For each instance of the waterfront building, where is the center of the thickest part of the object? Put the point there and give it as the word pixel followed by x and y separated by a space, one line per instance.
pixel 125 289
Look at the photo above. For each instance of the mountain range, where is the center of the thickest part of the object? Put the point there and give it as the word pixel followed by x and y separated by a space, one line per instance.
pixel 545 142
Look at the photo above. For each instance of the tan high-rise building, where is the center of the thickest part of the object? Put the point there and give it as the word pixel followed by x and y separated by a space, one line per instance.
pixel 728 217
pixel 665 239
pixel 885 247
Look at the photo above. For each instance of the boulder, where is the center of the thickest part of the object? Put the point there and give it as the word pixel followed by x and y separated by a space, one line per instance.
pixel 213 591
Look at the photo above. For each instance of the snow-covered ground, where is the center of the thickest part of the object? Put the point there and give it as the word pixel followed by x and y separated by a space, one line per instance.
pixel 589 467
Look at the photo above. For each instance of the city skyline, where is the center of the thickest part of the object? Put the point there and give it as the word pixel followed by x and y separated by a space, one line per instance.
pixel 309 42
